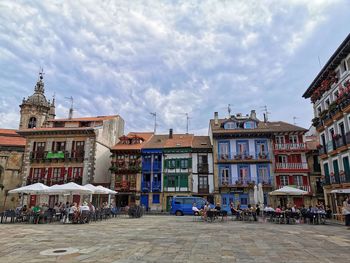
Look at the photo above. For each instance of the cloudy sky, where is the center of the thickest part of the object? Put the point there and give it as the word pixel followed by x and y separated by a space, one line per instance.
pixel 170 57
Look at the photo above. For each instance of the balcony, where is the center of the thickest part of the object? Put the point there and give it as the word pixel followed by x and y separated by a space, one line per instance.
pixel 203 168
pixel 156 186
pixel 290 147
pixel 125 186
pixel 125 167
pixel 203 189
pixel 245 157
pixel 37 155
pixel 237 183
pixel 146 186
pixel 295 167
pixel 77 154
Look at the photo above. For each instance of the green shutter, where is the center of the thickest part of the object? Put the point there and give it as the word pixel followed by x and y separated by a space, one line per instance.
pixel 177 163
pixel 165 181
pixel 166 164
pixel 183 180
pixel 189 162
pixel 346 168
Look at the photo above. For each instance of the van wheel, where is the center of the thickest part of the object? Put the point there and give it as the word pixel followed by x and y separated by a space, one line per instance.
pixel 178 213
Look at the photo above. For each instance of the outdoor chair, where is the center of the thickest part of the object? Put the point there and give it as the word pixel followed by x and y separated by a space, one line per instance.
pixel 196 216
pixel 85 217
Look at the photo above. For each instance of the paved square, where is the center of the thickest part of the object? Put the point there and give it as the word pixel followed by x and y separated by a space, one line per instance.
pixel 174 239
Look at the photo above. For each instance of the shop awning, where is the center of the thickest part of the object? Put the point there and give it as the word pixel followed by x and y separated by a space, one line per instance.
pixel 341 191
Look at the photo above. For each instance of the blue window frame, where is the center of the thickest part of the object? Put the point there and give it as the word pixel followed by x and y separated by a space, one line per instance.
pixel 225 174
pixel 263 173
pixel 243 173
pixel 230 125
pixel 155 199
pixel 242 147
pixel 224 150
pixel 249 125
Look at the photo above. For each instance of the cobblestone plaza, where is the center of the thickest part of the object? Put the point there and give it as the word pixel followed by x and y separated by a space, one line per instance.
pixel 173 239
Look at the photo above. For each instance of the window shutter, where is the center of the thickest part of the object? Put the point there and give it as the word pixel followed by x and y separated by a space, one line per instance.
pixel 183 181
pixel 49 174
pixel 42 173
pixel 177 163
pixel 31 174
pixel 53 146
pixel 290 179
pixel 165 181
pixel 69 174
pixel 278 180
pixel 63 171
pixel 189 162
pixel 305 181
pixel 166 164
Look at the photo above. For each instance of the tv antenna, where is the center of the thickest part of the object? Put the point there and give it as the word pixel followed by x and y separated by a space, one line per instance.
pixel 70 115
pixel 154 114
pixel 266 113
pixel 294 120
pixel 229 110
pixel 187 122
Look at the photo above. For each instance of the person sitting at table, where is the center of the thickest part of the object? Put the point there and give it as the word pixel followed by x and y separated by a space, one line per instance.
pixel 278 209
pixel 36 210
pixel 84 207
pixel 218 207
pixel 257 209
pixel 72 211
pixel 328 212
pixel 233 210
pixel 252 210
pixel 91 207
pixel 195 210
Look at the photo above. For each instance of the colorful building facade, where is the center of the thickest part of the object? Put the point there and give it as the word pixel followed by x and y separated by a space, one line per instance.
pixel 330 94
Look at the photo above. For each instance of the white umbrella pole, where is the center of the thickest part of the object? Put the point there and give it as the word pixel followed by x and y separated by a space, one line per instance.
pixel 109 199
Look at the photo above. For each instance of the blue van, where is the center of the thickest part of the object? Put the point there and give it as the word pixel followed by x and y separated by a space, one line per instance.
pixel 182 205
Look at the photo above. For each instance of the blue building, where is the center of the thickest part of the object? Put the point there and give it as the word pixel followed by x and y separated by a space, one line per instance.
pixel 151 172
pixel 242 158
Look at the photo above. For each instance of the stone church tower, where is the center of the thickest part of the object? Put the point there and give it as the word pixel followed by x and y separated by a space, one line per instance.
pixel 36 109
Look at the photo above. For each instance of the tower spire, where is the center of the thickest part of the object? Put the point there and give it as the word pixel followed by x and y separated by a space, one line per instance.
pixel 39 87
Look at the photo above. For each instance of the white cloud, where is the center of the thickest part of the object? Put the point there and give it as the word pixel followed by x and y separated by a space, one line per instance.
pixel 133 57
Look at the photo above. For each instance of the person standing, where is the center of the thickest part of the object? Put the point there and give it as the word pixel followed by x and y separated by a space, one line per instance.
pixel 346 211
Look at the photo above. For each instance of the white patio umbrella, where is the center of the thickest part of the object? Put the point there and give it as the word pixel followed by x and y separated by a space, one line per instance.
pixel 69 188
pixel 95 189
pixel 287 190
pixel 107 191
pixel 35 189
pixel 255 194
pixel 261 195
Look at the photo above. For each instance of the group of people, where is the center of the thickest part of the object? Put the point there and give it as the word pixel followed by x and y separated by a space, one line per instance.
pixel 346 211
pixel 65 212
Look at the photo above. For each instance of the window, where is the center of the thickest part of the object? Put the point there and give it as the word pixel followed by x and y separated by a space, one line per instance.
pixel 230 125
pixel 284 180
pixel 331 133
pixel 56 174
pixel 280 139
pixel 327 103
pixel 203 182
pixel 223 149
pixel 188 201
pixel 337 73
pixel 319 110
pixel 348 62
pixel 242 147
pixel 77 172
pixel 171 181
pixel 172 164
pixel 298 180
pixel 225 175
pixel 39 146
pixel 244 201
pixel 58 146
pixel 184 163
pixel 36 174
pixel 343 67
pixel 155 199
pixel 249 125
pixel 243 173
pixel 32 123
pixel 261 147
pixel 202 159
pixel 263 174
pixel 335 95
pixel 282 159
pixel 293 139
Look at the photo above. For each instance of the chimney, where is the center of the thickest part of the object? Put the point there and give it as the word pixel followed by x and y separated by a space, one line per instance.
pixel 253 114
pixel 170 133
pixel 216 118
pixel 265 118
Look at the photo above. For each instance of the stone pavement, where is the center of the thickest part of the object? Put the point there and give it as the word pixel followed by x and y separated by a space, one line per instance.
pixel 173 239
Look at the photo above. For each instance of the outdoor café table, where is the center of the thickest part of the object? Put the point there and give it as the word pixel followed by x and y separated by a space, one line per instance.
pixel 211 215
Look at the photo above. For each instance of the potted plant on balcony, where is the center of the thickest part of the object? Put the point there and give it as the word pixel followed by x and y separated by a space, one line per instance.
pixel 238 157
pixel 248 157
pixel 262 156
